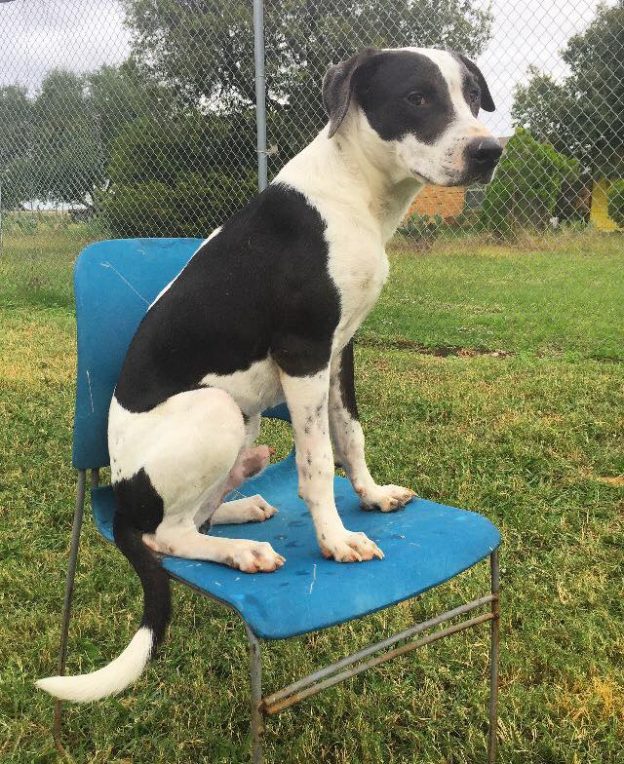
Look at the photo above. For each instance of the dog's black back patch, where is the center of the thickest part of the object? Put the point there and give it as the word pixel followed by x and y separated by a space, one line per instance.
pixel 260 286
pixel 383 86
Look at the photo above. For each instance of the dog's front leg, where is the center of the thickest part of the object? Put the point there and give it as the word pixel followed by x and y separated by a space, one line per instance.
pixel 348 439
pixel 307 398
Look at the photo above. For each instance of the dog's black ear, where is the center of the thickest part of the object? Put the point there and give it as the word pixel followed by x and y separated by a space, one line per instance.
pixel 338 87
pixel 487 104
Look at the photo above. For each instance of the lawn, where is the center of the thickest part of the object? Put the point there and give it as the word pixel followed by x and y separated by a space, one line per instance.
pixel 490 378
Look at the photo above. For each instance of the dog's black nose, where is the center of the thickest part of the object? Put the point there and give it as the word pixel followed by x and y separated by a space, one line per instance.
pixel 484 153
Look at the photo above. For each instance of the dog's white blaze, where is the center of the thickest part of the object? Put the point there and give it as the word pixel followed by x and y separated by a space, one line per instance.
pixel 110 680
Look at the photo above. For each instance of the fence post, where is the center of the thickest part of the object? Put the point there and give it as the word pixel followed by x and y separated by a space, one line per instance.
pixel 258 23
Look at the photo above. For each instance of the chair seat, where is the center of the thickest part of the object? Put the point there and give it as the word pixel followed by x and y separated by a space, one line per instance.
pixel 424 545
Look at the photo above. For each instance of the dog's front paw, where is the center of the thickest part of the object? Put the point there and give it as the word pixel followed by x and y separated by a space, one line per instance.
pixel 349 546
pixel 387 498
pixel 255 557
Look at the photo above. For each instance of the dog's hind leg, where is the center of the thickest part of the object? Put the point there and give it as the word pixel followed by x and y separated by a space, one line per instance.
pixel 247 509
pixel 252 429
pixel 251 461
pixel 193 454
pixel 184 540
pixel 165 463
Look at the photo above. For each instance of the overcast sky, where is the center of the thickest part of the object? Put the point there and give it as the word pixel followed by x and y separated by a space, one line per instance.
pixel 38 35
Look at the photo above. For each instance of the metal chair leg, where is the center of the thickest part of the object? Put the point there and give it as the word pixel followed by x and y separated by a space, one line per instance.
pixel 95 478
pixel 69 593
pixel 257 721
pixel 494 644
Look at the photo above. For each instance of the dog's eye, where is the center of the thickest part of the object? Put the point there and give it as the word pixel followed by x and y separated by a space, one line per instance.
pixel 416 99
pixel 475 96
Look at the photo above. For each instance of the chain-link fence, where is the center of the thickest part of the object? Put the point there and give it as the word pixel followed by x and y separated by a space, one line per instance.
pixel 138 117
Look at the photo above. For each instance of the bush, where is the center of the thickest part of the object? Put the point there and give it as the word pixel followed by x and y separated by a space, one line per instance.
pixel 616 202
pixel 527 185
pixel 166 178
pixel 194 205
pixel 574 201
pixel 422 227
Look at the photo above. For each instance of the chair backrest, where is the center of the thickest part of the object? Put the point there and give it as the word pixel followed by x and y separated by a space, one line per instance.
pixel 115 282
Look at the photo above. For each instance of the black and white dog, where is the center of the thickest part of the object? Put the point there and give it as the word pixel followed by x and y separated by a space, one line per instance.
pixel 265 312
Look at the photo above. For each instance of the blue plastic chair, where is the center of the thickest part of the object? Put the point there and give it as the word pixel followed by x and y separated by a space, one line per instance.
pixel 425 545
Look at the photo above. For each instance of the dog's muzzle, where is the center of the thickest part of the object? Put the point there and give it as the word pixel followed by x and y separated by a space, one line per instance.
pixel 482 155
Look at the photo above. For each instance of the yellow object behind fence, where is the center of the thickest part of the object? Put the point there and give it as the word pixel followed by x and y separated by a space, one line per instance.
pixel 599 215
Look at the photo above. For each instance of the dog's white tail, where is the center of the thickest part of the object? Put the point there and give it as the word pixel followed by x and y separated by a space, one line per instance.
pixel 111 679
pixel 127 667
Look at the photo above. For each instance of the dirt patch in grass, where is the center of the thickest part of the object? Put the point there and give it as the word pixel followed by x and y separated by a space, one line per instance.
pixel 439 351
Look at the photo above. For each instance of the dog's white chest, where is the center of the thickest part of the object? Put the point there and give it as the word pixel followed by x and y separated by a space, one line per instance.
pixel 359 273
pixel 357 261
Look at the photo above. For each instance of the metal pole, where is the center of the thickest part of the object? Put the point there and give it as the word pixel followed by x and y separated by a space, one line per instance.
pixel 494 645
pixel 257 722
pixel 69 593
pixel 258 23
pixel 1 242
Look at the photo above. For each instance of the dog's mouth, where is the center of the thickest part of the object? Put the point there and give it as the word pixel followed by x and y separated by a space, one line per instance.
pixel 464 178
pixel 446 181
pixel 427 180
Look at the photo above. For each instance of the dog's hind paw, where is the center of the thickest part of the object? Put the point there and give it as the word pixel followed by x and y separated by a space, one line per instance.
pixel 251 509
pixel 255 557
pixel 387 498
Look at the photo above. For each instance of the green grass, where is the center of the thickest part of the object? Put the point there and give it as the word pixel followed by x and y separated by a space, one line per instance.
pixel 36 267
pixel 566 302
pixel 533 440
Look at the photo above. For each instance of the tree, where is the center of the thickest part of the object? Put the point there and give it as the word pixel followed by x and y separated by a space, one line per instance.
pixel 120 94
pixel 165 178
pixel 527 185
pixel 15 121
pixel 204 49
pixel 70 162
pixel 15 115
pixel 57 146
pixel 583 116
pixel 616 202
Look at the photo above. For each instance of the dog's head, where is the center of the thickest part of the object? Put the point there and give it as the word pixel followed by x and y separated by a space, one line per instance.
pixel 417 108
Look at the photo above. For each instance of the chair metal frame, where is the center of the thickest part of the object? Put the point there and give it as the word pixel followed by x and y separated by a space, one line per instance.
pixel 332 674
